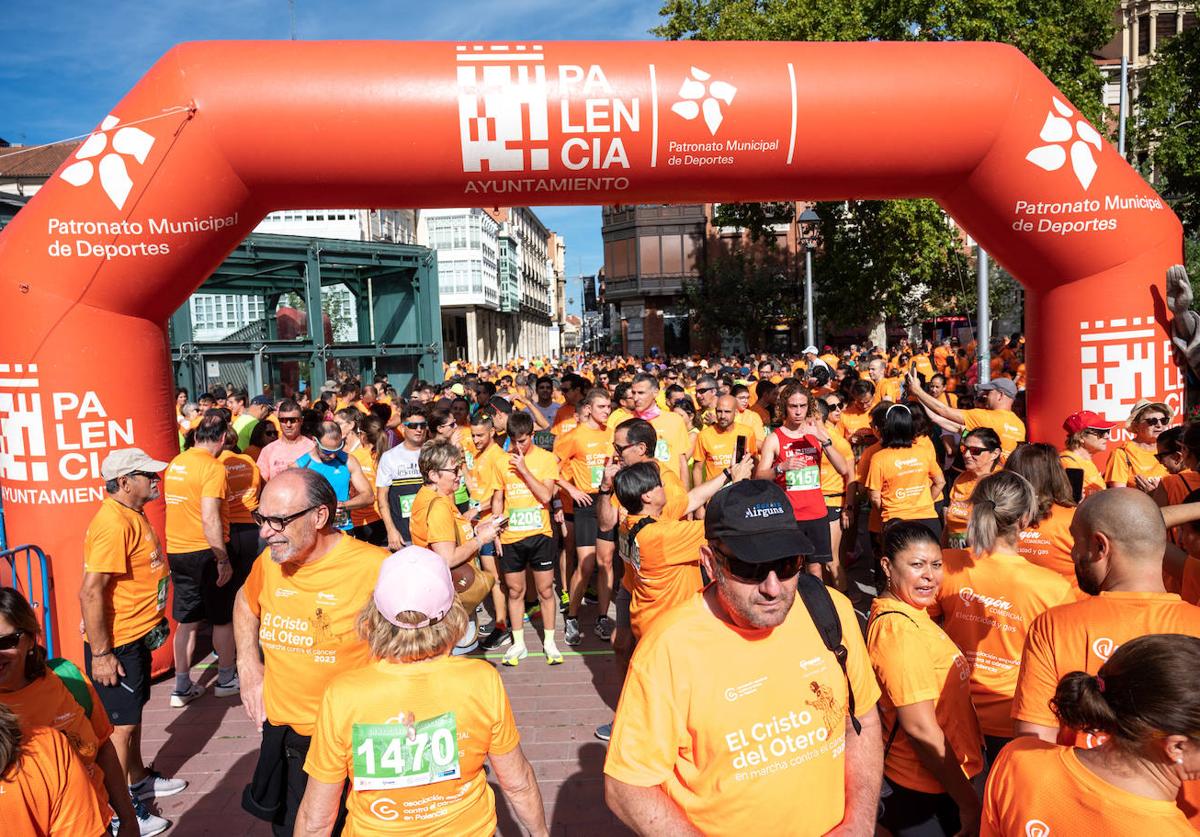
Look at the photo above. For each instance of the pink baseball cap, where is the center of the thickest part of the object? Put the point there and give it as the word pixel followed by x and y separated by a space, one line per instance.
pixel 416 579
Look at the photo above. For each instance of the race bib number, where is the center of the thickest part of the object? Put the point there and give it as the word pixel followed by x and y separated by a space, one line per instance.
pixel 803 479
pixel 661 451
pixel 544 439
pixel 469 460
pixel 525 520
pixel 406 503
pixel 596 475
pixel 161 601
pixel 386 756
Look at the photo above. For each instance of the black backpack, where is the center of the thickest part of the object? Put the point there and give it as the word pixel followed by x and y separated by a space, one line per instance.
pixel 824 615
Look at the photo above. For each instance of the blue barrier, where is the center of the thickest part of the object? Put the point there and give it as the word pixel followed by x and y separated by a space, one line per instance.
pixel 39 599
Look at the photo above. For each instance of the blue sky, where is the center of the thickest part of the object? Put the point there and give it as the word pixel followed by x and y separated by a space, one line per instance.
pixel 65 64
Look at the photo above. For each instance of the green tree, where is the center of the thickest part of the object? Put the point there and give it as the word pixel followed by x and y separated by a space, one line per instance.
pixel 744 294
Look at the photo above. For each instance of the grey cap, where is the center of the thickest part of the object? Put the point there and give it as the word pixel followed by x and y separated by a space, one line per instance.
pixel 1004 386
pixel 122 463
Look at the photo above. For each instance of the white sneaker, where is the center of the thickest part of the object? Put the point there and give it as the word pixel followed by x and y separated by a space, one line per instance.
pixel 182 699
pixel 148 824
pixel 233 687
pixel 157 786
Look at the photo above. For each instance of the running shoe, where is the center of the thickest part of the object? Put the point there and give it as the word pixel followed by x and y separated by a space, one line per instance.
pixel 565 598
pixel 590 597
pixel 233 687
pixel 148 824
pixel 182 699
pixel 532 610
pixel 554 657
pixel 514 656
pixel 604 628
pixel 604 732
pixel 572 635
pixel 496 639
pixel 156 786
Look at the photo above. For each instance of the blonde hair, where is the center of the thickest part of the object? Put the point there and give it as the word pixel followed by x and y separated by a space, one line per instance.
pixel 438 454
pixel 1002 504
pixel 411 645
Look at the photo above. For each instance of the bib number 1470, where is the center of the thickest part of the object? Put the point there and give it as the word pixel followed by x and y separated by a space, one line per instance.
pixel 387 757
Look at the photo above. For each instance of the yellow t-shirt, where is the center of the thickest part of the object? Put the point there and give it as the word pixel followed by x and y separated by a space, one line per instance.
pixel 749 418
pixel 307 629
pixel 480 473
pixel 435 519
pixel 716 449
pixel 1129 461
pixel 433 783
pixel 121 542
pixel 49 793
pixel 1006 423
pixel 903 477
pixel 526 516
pixel 1042 790
pixel 833 484
pixel 730 742
pixel 192 475
pixel 916 661
pixel 987 606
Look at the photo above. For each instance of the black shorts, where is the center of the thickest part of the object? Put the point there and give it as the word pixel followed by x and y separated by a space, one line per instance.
pixel 910 813
pixel 124 701
pixel 817 531
pixel 586 526
pixel 373 533
pixel 197 596
pixel 244 546
pixel 535 552
pixel 609 535
pixel 833 514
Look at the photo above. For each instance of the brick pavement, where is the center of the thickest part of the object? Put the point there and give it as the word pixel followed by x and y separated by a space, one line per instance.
pixel 214 746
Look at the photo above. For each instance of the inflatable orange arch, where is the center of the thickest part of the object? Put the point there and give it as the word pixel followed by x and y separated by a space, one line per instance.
pixel 218 134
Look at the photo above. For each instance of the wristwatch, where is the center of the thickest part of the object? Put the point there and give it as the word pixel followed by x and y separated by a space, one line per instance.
pixel 827 443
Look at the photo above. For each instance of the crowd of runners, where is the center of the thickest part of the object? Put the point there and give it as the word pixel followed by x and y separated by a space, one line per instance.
pixel 845 592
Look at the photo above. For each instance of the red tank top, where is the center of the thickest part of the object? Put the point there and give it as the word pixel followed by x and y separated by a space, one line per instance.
pixel 798 473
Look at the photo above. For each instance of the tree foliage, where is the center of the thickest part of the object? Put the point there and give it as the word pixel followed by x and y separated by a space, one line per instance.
pixel 901 259
pixel 743 293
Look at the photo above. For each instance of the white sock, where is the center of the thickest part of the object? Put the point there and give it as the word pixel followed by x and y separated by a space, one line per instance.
pixel 548 643
pixel 518 639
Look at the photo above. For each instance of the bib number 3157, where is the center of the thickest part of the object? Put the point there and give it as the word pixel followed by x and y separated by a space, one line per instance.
pixel 387 757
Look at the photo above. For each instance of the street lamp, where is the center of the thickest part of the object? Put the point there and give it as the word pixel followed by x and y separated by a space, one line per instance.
pixel 809 223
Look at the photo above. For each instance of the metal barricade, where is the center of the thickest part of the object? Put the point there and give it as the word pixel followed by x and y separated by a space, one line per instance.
pixel 35 588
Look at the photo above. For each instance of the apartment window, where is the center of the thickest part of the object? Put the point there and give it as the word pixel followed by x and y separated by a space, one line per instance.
pixel 649 255
pixel 692 249
pixel 672 254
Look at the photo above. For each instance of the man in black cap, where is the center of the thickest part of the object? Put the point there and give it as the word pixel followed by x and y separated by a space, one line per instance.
pixel 735 715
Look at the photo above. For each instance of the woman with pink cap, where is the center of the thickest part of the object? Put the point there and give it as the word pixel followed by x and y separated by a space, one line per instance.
pixel 410 732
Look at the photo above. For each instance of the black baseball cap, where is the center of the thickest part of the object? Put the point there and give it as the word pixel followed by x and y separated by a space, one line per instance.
pixel 500 405
pixel 262 401
pixel 754 519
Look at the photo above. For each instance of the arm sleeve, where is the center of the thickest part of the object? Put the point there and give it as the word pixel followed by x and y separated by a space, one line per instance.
pixel 329 751
pixel 440 524
pixel 215 482
pixel 1038 677
pixel 901 662
pixel 383 473
pixel 971 419
pixel 252 587
pixel 105 550
pixel 647 732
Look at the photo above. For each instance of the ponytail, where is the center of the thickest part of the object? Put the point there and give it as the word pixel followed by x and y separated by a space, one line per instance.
pixel 1002 504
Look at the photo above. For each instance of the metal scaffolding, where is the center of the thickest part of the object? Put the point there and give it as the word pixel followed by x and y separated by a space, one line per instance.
pixel 395 293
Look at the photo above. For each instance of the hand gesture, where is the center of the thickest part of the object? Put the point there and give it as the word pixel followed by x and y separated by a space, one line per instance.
pixel 743 469
pixel 107 670
pixel 610 471
pixel 487 530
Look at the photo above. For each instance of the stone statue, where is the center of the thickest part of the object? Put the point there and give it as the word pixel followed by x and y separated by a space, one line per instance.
pixel 1185 323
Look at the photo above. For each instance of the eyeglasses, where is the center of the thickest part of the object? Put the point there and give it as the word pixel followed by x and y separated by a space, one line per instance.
pixel 455 470
pixel 10 641
pixel 453 425
pixel 415 425
pixel 1155 422
pixel 702 390
pixel 278 524
pixel 974 451
pixel 747 573
pixel 288 419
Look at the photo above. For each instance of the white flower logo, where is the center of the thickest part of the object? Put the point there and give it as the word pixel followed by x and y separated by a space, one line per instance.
pixel 1058 130
pixel 114 177
pixel 699 97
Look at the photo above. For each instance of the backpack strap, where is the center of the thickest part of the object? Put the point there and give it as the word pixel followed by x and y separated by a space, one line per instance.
pixel 896 726
pixel 825 617
pixel 73 679
pixel 630 545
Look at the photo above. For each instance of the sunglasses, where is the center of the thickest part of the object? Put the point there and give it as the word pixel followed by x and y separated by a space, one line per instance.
pixel 147 474
pixel 10 641
pixel 703 390
pixel 415 425
pixel 278 524
pixel 1155 422
pixel 835 405
pixel 747 573
pixel 324 449
pixel 1161 457
pixel 1095 431
pixel 974 451
pixel 288 419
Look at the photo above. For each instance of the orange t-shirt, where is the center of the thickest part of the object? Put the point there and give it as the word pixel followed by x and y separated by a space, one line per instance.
pixel 750 419
pixel 49 793
pixel 479 473
pixel 565 414
pixel 192 475
pixel 366 460
pixel 1093 480
pixel 121 542
pixel 665 564
pixel 958 510
pixel 988 603
pixel 1178 486
pixel 1082 636
pixel 307 621
pixel 887 389
pixel 916 661
pixel 716 448
pixel 433 783
pixel 1048 543
pixel 46 702
pixel 1042 790
pixel 435 519
pixel 1130 460
pixel 833 484
pixel 851 422
pixel 903 477
pixel 673 438
pixel 710 716
pixel 1006 423
pixel 875 518
pixel 243 483
pixel 526 516
pixel 582 454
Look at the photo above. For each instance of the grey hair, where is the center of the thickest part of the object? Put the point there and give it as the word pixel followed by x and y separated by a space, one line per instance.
pixel 112 486
pixel 317 491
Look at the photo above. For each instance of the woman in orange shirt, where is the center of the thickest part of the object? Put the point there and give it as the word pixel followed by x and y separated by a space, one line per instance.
pixel 904 477
pixel 1178 452
pixel 1134 464
pixel 981 453
pixel 1146 701
pixel 1087 435
pixel 934 745
pixel 411 730
pixel 1047 540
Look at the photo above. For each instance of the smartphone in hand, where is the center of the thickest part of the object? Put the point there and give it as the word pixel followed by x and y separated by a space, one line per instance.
pixel 739 449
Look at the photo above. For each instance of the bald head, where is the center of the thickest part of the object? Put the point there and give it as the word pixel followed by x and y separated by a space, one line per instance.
pixel 726 411
pixel 1129 519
